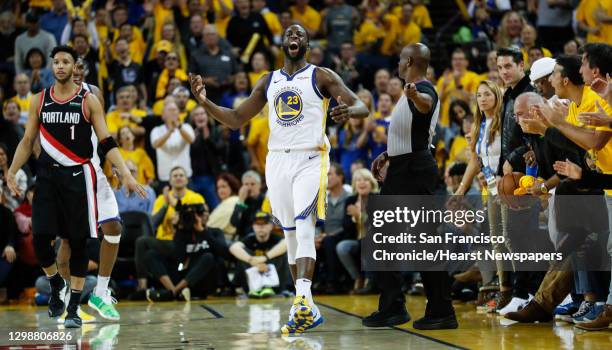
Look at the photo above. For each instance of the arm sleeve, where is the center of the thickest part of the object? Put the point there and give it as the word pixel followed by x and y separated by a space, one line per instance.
pixel 593 179
pixel 554 136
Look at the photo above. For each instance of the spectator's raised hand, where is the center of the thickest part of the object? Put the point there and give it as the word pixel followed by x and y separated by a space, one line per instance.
pixel 243 193
pixel 603 88
pixel 569 169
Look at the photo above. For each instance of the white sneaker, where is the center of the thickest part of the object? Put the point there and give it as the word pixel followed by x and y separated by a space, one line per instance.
pixel 513 305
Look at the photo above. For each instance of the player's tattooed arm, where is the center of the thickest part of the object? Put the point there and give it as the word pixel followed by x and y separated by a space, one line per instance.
pixel 234 118
pixel 96 116
pixel 349 105
pixel 26 145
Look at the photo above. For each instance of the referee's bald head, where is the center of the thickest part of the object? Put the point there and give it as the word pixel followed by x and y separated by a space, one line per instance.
pixel 419 56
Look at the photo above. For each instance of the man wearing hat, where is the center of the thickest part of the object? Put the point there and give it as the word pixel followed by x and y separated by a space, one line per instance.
pixel 540 71
pixel 153 68
pixel 33 37
pixel 262 265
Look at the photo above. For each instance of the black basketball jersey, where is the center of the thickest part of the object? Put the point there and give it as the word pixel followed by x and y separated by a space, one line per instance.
pixel 65 130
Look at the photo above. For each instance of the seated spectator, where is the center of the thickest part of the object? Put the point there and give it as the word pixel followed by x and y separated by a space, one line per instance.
pixel 348 250
pixel 227 191
pixel 171 70
pixel 11 201
pixel 151 70
pixel 12 113
pixel 32 37
pixel 23 95
pixel 395 89
pixel 172 142
pixel 529 37
pixel 250 200
pixel 259 67
pixel 137 155
pixel 332 232
pixel 459 150
pixel 199 252
pixel 8 242
pixel 381 83
pixel 459 109
pixel 124 71
pixel 239 92
pixel 204 158
pixel 262 262
pixel 181 95
pixel 132 201
pixel 126 114
pixel 384 106
pixel 510 29
pixel 492 73
pixel 353 142
pixel 257 140
pixel 571 47
pixel 40 76
pixel 164 218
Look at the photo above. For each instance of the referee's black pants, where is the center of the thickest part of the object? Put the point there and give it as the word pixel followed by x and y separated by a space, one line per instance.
pixel 413 174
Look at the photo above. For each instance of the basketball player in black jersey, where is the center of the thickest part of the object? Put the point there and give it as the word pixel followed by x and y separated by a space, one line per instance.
pixel 64 201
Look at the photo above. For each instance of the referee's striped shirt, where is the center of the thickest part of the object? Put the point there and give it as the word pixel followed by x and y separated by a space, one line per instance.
pixel 410 130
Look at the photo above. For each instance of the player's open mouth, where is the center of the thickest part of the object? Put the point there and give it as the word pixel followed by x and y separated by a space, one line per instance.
pixel 293 47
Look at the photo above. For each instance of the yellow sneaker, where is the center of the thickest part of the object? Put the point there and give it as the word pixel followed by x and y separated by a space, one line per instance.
pixel 87 318
pixel 302 318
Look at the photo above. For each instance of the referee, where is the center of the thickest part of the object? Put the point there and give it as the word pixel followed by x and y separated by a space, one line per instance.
pixel 412 171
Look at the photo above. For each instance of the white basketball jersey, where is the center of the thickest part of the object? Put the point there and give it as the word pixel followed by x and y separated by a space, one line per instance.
pixel 297 111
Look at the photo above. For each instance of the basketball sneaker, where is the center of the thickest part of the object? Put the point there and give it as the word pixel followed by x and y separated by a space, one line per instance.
pixel 85 317
pixel 567 308
pixel 106 338
pixel 267 292
pixel 592 314
pixel 56 300
pixel 514 305
pixel 72 319
pixel 104 305
pixel 583 310
pixel 302 317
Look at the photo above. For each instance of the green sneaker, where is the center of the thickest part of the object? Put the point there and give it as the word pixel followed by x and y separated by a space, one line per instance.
pixel 255 294
pixel 106 338
pixel 267 292
pixel 104 305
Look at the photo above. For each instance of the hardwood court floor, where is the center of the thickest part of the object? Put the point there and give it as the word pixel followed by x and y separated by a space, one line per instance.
pixel 249 324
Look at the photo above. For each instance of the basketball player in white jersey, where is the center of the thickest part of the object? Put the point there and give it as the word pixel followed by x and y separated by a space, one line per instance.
pixel 298 158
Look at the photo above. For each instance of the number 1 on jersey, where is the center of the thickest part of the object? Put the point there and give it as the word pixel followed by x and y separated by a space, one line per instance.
pixel 72 132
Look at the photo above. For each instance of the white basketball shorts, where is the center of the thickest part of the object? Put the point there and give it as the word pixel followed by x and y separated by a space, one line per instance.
pixel 297 185
pixel 105 198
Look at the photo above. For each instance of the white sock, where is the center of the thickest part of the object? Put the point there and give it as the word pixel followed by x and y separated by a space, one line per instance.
pixel 102 286
pixel 302 287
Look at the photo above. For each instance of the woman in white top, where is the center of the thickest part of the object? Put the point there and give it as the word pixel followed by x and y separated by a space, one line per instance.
pixel 227 190
pixel 486 151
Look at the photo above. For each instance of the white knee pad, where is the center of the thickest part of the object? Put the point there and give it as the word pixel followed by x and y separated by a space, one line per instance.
pixel 112 239
pixel 305 233
pixel 291 246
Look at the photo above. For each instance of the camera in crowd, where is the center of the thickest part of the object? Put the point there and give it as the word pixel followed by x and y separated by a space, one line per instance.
pixel 187 215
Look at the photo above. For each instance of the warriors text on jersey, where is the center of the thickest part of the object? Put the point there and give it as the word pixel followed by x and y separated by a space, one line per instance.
pixel 297 111
pixel 65 130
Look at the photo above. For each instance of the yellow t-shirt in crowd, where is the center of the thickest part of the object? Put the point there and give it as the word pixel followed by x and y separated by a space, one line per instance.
pixel 469 81
pixel 46 4
pixel 254 76
pixel 586 13
pixel 459 151
pixel 311 19
pixel 420 16
pixel 258 137
pixel 371 31
pixel 410 33
pixel 273 22
pixel 165 231
pixel 606 28
pixel 24 103
pixel 146 169
pixel 587 104
pixel 114 121
pixel 158 108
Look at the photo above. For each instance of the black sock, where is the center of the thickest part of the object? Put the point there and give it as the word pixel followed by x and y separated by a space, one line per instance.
pixel 56 281
pixel 75 299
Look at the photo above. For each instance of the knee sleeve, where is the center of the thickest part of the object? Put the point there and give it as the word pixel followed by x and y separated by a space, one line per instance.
pixel 291 241
pixel 304 233
pixel 44 251
pixel 112 232
pixel 78 258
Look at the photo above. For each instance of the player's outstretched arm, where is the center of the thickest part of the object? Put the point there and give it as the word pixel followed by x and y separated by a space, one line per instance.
pixel 349 105
pixel 234 118
pixel 26 145
pixel 108 145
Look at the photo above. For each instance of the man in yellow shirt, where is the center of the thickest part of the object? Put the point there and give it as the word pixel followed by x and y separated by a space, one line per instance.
pixel 306 16
pixel 410 33
pixel 164 218
pixel 456 83
pixel 23 96
pixel 126 114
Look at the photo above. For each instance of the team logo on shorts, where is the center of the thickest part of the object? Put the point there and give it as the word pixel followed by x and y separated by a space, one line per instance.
pixel 288 107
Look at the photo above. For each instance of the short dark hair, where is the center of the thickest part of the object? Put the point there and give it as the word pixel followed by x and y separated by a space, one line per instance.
pixel 516 54
pixel 64 48
pixel 571 68
pixel 80 36
pixel 460 50
pixel 539 48
pixel 338 168
pixel 30 53
pixel 599 56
